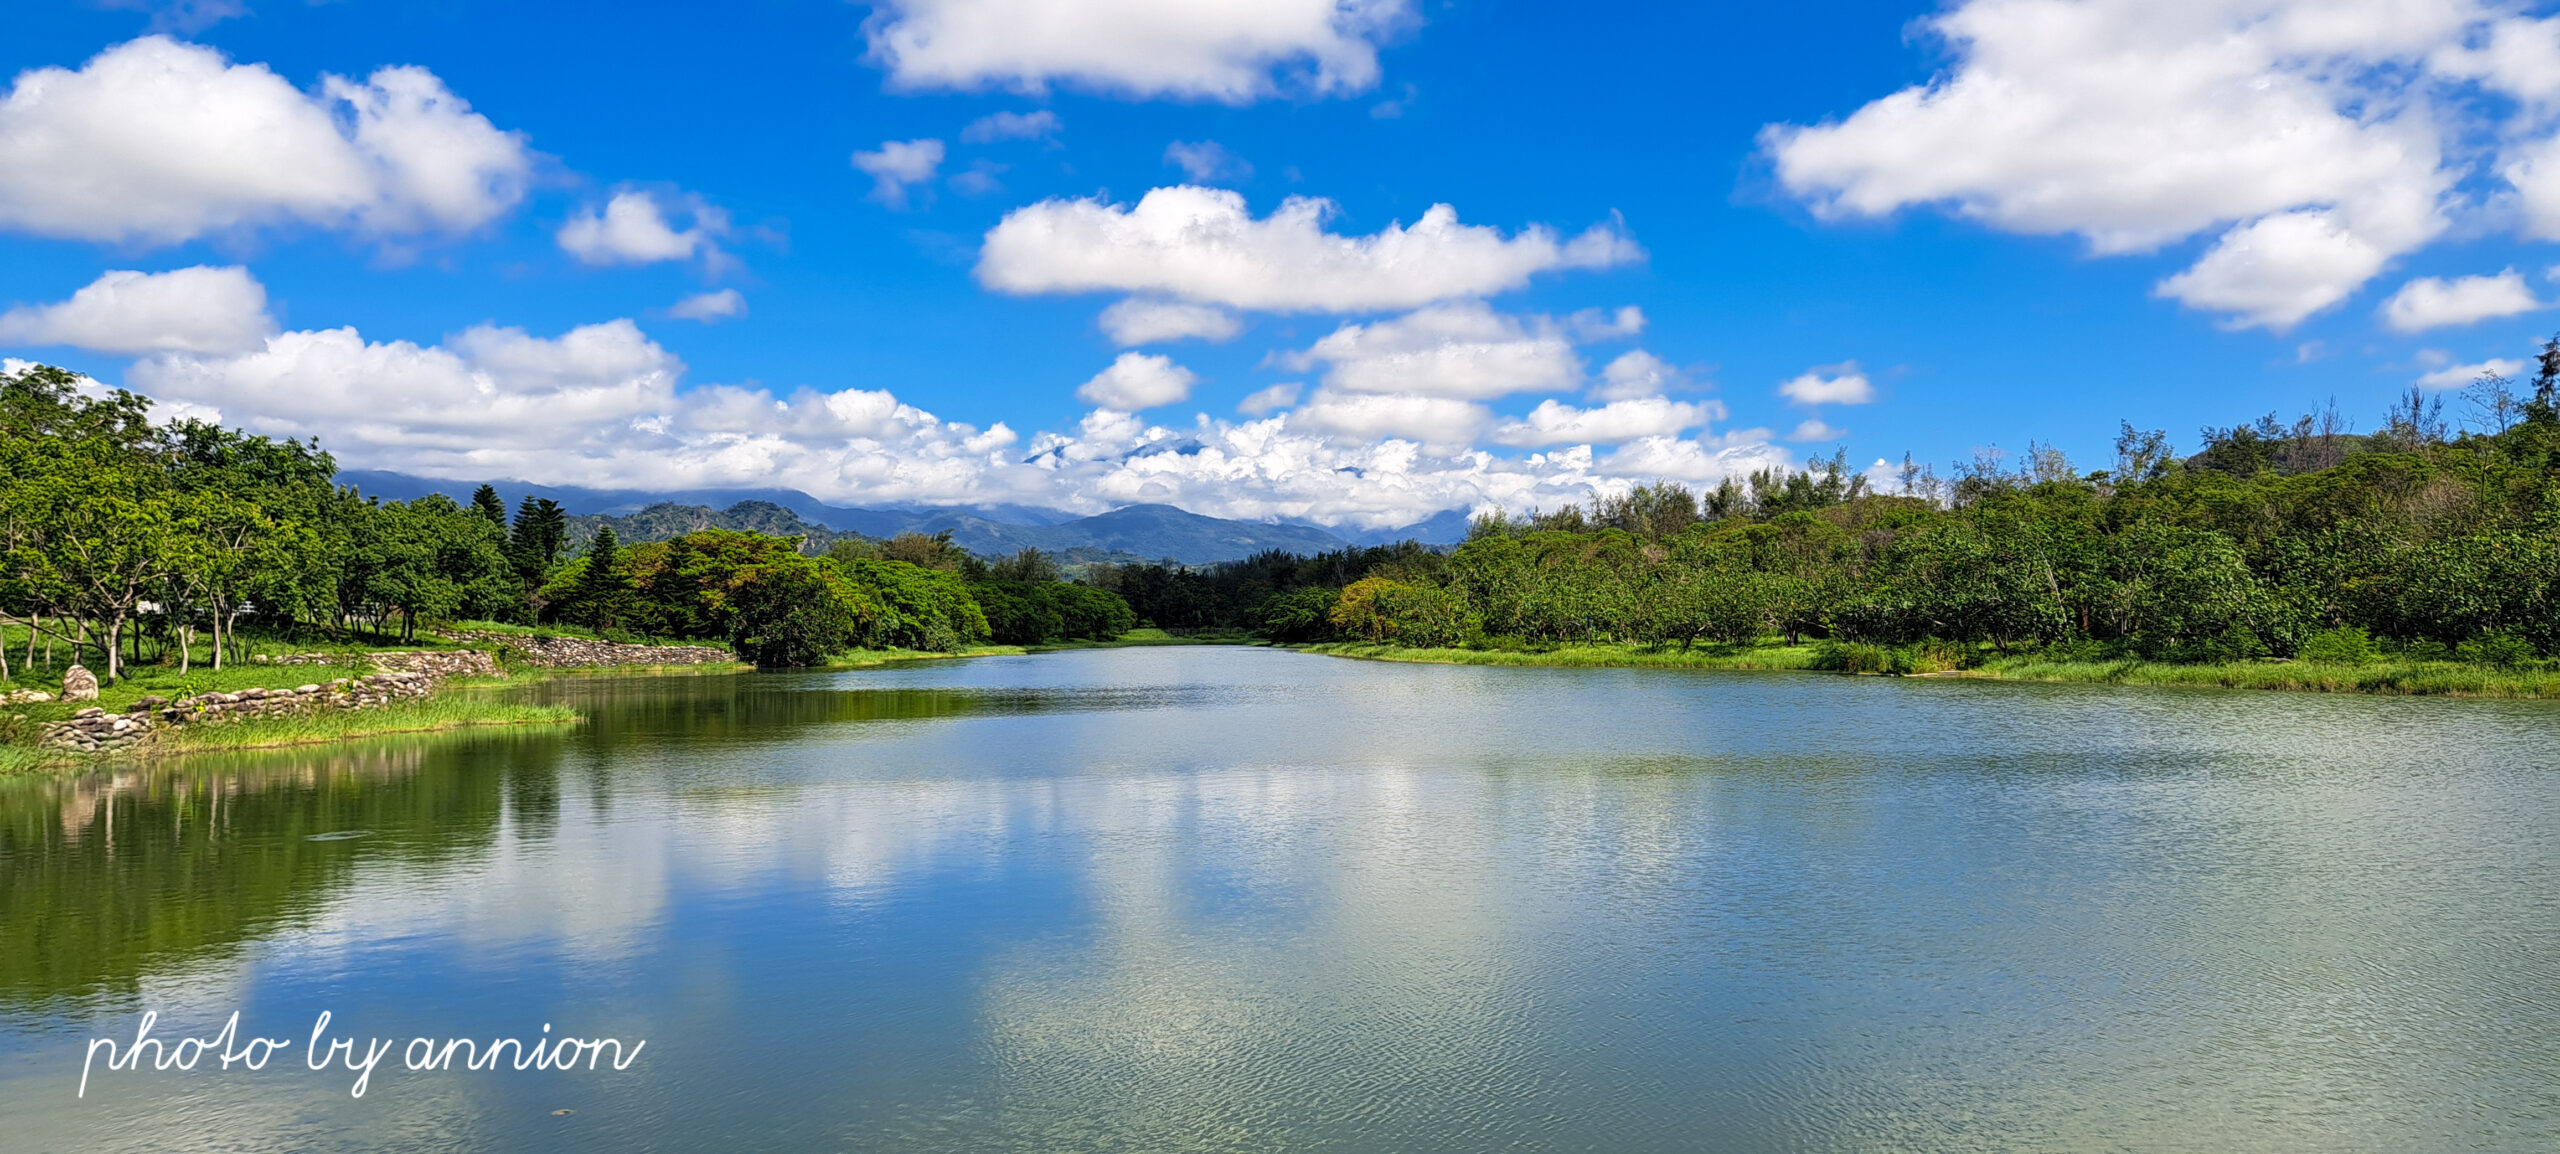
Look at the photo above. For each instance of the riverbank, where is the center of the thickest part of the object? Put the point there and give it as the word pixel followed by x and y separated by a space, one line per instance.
pixel 1762 657
pixel 2398 678
pixel 446 710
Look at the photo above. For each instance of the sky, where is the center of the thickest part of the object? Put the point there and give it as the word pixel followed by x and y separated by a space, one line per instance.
pixel 1352 262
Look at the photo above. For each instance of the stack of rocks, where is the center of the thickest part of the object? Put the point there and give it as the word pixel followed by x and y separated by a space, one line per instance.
pixel 562 652
pixel 94 730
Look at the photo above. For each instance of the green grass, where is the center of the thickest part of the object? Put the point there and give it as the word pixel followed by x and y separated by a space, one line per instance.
pixel 874 658
pixel 153 681
pixel 441 712
pixel 427 715
pixel 29 759
pixel 158 670
pixel 2412 678
pixel 2407 678
pixel 1612 656
pixel 1149 636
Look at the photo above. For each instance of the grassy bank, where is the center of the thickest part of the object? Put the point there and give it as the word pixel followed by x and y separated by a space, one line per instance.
pixel 1143 637
pixel 1587 656
pixel 426 715
pixel 2411 678
pixel 874 658
pixel 2407 678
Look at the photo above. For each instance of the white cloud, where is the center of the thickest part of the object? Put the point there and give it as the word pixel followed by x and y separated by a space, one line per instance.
pixel 1202 244
pixel 1697 461
pixel 2434 302
pixel 1556 423
pixel 2304 127
pixel 1261 401
pixel 710 307
pixel 1466 351
pixel 1844 385
pixel 1226 50
pixel 1141 321
pixel 1036 124
pixel 1137 381
pixel 1206 161
pixel 896 164
pixel 193 310
pixel 1814 429
pixel 633 228
pixel 1636 373
pixel 1437 421
pixel 605 406
pixel 156 142
pixel 2277 270
pixel 2457 376
pixel 1599 325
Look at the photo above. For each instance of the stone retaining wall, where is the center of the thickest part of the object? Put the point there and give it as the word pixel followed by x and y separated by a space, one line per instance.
pixel 563 652
pixel 94 730
pixel 439 662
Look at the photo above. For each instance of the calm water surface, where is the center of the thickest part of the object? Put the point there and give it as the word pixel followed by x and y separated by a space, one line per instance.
pixel 1233 899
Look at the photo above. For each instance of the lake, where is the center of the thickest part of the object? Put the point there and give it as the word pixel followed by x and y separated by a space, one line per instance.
pixel 1235 899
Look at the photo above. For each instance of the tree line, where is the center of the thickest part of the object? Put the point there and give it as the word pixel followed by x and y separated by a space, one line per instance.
pixel 124 539
pixel 2273 539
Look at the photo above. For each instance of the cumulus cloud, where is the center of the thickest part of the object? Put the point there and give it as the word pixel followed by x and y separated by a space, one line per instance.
pixel 1141 321
pixel 1234 51
pixel 192 310
pixel 157 141
pixel 1636 373
pixel 1206 161
pixel 633 228
pixel 1261 401
pixel 1137 381
pixel 595 405
pixel 1556 423
pixel 1698 460
pixel 896 164
pixel 1467 351
pixel 1840 384
pixel 2434 302
pixel 1434 421
pixel 1038 124
pixel 2301 130
pixel 2457 376
pixel 605 406
pixel 710 307
pixel 1814 429
pixel 1204 245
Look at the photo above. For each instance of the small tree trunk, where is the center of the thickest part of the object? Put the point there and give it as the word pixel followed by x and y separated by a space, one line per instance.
pixel 186 644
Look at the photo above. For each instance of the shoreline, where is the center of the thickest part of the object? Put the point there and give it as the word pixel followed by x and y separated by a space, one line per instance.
pixel 2380 679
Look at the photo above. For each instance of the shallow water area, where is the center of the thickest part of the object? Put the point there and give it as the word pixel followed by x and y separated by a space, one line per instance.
pixel 1211 899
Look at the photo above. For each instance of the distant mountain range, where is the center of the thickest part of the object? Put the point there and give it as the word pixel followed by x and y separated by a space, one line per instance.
pixel 1134 533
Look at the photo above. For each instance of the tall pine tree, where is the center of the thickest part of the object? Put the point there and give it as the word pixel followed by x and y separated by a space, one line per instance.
pixel 605 584
pixel 484 501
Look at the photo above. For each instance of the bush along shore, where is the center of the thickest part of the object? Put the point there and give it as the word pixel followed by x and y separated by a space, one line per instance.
pixel 2420 557
pixel 2378 675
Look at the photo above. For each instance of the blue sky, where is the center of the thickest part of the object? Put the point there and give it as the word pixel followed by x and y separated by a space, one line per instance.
pixel 1883 228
